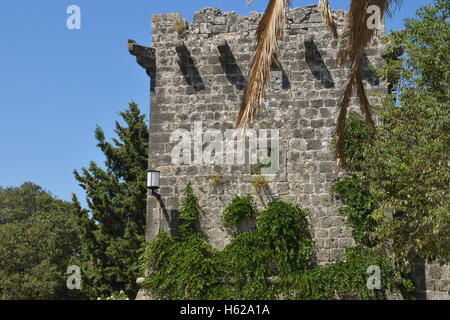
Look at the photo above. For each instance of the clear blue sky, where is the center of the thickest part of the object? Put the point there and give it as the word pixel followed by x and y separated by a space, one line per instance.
pixel 57 84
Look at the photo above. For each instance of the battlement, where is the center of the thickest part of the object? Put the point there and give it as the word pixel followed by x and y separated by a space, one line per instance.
pixel 210 21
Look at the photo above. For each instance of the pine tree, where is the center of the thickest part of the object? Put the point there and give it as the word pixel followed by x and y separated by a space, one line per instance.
pixel 116 197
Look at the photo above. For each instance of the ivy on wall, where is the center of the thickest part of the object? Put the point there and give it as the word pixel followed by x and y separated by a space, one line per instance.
pixel 359 204
pixel 240 208
pixel 274 261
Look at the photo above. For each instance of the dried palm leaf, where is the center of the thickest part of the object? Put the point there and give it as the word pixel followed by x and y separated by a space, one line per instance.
pixel 354 39
pixel 324 9
pixel 340 130
pixel 356 35
pixel 269 32
pixel 363 101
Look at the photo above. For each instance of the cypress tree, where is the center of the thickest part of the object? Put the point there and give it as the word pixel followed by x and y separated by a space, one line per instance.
pixel 116 196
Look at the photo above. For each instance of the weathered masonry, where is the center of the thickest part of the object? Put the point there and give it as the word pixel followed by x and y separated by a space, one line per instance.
pixel 198 73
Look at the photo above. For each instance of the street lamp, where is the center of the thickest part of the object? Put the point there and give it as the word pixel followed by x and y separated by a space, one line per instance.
pixel 153 179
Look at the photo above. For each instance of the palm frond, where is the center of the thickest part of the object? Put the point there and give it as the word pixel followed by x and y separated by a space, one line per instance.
pixel 340 130
pixel 354 39
pixel 363 101
pixel 356 36
pixel 269 32
pixel 324 9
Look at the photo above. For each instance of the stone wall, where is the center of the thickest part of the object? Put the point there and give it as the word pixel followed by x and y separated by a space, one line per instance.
pixel 190 82
pixel 432 281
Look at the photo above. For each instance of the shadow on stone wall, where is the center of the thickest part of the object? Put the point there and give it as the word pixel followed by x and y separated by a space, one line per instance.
pixel 316 64
pixel 188 68
pixel 170 217
pixel 419 280
pixel 231 68
pixel 368 73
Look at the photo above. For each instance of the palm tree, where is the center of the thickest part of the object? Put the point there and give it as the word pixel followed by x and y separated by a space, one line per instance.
pixel 353 40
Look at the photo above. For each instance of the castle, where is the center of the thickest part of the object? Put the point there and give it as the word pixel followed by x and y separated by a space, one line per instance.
pixel 197 79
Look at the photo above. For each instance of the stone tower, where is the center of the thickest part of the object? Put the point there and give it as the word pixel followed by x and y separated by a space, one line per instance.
pixel 198 75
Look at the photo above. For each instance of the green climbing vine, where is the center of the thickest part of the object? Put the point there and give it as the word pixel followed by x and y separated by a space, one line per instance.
pixel 256 169
pixel 273 261
pixel 189 214
pixel 359 206
pixel 346 279
pixel 359 203
pixel 241 208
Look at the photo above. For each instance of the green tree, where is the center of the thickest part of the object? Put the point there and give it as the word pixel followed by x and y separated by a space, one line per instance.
pixel 406 166
pixel 39 238
pixel 116 197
